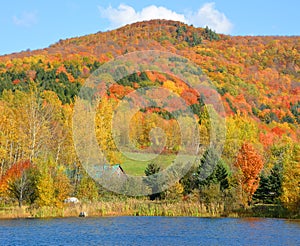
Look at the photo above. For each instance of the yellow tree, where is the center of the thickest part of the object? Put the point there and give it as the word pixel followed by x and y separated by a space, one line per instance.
pixel 13 139
pixel 137 132
pixel 45 188
pixel 62 187
pixel 7 137
pixel 87 189
pixel 32 121
pixel 291 178
pixel 103 130
pixel 240 128
pixel 59 123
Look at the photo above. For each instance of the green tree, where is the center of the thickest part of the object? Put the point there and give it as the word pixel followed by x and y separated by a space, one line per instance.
pixel 212 170
pixel 212 180
pixel 151 172
pixel 270 186
pixel 190 181
pixel 210 34
pixel 196 40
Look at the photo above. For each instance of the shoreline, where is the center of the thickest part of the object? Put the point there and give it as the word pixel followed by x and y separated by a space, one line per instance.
pixel 119 215
pixel 134 208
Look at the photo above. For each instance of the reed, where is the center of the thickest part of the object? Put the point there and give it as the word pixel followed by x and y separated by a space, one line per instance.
pixel 125 207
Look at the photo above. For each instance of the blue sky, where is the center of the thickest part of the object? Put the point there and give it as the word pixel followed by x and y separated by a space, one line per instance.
pixel 33 24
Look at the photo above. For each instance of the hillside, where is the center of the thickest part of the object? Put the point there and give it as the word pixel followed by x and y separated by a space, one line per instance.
pixel 258 79
pixel 253 74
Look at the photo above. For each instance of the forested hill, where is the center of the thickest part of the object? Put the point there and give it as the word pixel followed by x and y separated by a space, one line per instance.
pixel 257 77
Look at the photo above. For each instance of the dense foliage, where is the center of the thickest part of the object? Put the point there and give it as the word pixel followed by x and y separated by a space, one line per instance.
pixel 258 79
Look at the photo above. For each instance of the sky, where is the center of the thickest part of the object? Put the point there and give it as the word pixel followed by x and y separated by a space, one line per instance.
pixel 34 24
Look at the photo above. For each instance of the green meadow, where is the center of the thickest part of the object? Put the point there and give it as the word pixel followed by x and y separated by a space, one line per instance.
pixel 136 163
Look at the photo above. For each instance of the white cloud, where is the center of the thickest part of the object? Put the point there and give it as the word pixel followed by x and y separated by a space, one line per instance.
pixel 207 15
pixel 125 14
pixel 26 19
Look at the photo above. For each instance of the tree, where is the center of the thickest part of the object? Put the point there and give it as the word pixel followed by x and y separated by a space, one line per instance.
pixel 212 180
pixel 22 188
pixel 62 187
pixel 174 192
pixel 196 39
pixel 87 189
pixel 208 164
pixel 212 170
pixel 12 136
pixel 239 128
pixel 18 182
pixel 249 163
pixel 291 178
pixel 210 34
pixel 270 186
pixel 222 174
pixel 45 185
pixel 151 170
pixel 35 122
pixel 104 134
pixel 34 125
pixel 190 181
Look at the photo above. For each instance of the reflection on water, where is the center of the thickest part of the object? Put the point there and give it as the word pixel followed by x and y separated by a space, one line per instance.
pixel 150 231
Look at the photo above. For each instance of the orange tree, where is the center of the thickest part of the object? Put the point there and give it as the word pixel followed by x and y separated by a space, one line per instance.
pixel 17 182
pixel 249 163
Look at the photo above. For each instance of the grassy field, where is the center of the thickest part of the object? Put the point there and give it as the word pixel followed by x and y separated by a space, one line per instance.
pixel 136 163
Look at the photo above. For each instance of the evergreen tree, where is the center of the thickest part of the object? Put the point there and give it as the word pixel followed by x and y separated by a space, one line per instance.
pixel 212 170
pixel 269 189
pixel 150 172
pixel 210 34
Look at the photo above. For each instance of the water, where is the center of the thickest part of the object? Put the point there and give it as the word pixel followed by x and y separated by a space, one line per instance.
pixel 149 231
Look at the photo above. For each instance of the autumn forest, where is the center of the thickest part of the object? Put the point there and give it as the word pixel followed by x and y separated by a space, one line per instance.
pixel 257 79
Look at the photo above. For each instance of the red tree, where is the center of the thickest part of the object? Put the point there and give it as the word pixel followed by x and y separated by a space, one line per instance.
pixel 16 182
pixel 250 164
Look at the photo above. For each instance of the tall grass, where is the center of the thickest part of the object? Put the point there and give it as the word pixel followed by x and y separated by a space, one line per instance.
pixel 134 207
pixel 128 207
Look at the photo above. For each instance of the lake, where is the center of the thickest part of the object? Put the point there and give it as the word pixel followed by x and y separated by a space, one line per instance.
pixel 149 231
